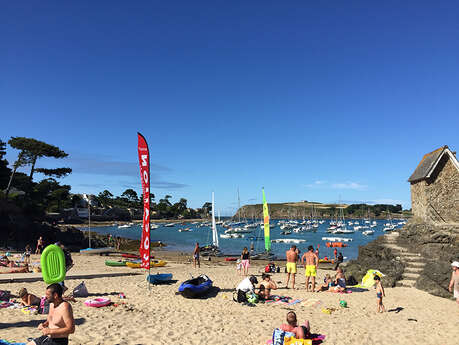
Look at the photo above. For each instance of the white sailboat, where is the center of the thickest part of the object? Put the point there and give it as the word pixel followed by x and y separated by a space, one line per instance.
pixel 212 249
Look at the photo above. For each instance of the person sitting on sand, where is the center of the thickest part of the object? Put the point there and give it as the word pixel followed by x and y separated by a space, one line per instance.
pixel 340 281
pixel 293 330
pixel 60 322
pixel 266 285
pixel 28 299
pixel 24 269
pixel 327 283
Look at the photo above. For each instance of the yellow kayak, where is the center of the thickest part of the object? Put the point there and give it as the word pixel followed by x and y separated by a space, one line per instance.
pixel 153 263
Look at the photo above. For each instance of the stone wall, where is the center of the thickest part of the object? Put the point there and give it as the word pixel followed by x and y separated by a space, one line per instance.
pixel 419 199
pixel 436 200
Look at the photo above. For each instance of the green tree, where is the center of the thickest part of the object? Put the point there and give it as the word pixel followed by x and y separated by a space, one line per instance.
pixel 130 195
pixel 105 198
pixel 4 170
pixel 30 151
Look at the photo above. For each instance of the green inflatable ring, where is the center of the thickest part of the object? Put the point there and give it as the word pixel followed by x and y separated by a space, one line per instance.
pixel 53 264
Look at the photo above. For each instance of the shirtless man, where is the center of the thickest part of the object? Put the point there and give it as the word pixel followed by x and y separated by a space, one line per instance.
pixel 60 323
pixel 292 258
pixel 311 266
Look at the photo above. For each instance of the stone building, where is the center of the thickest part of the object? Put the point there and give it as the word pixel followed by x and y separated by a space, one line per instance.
pixel 435 187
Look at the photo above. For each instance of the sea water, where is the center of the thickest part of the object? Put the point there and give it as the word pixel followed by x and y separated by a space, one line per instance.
pixel 185 241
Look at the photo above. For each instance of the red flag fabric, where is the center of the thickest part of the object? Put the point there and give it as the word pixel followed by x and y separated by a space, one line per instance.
pixel 144 162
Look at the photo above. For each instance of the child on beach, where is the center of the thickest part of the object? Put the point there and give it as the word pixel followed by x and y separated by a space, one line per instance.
pixel 327 284
pixel 239 266
pixel 379 293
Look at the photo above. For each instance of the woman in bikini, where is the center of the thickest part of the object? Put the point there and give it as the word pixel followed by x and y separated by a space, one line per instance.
pixel 28 299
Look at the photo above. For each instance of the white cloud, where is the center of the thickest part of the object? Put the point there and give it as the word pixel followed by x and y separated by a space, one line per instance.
pixel 349 185
pixel 337 185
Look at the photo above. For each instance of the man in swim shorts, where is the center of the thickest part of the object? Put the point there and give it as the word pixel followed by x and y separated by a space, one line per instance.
pixel 311 266
pixel 196 253
pixel 292 258
pixel 60 323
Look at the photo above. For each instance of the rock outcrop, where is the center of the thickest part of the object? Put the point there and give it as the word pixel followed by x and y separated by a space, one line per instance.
pixel 418 255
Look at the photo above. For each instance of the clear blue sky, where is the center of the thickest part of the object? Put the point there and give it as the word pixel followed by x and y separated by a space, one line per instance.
pixel 314 100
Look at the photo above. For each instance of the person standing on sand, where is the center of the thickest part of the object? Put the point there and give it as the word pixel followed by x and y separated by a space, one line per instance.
pixel 245 261
pixel 196 252
pixel 39 245
pixel 292 258
pixel 312 261
pixel 335 253
pixel 379 293
pixel 60 322
pixel 455 281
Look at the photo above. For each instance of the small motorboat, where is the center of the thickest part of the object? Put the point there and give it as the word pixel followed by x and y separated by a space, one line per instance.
pixel 195 287
pixel 159 278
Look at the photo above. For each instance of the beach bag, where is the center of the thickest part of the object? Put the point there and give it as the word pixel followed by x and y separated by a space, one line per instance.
pixel 44 306
pixel 267 269
pixel 252 298
pixel 294 341
pixel 5 295
pixel 278 337
pixel 80 291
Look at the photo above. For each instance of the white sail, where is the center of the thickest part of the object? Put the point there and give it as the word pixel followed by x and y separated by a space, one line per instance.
pixel 214 226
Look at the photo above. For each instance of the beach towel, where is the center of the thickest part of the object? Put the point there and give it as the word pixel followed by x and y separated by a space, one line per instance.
pixel 295 341
pixel 6 342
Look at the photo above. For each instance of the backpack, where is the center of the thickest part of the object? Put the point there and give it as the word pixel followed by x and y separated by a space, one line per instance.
pixel 80 290
pixel 239 296
pixel 268 269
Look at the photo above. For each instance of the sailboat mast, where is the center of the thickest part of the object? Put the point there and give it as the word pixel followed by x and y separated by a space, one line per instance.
pixel 239 204
pixel 214 226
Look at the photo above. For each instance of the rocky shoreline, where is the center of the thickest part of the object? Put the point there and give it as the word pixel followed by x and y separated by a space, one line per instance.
pixel 419 255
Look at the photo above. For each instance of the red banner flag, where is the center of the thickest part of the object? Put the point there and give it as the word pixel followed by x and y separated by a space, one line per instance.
pixel 144 162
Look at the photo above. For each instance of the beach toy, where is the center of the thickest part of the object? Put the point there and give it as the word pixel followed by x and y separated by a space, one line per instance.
pixel 29 310
pixel 343 304
pixel 328 310
pixel 122 295
pixel 97 302
pixel 53 264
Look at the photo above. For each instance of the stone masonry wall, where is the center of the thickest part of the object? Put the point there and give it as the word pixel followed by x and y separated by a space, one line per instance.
pixel 436 200
pixel 419 199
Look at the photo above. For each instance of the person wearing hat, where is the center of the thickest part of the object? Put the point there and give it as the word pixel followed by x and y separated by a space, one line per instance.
pixel 28 299
pixel 454 283
pixel 247 285
pixel 265 286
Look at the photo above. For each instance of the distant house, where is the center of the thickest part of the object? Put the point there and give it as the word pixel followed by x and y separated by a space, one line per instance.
pixel 435 187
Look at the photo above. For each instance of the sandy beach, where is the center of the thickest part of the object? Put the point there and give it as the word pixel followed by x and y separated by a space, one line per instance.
pixel 159 316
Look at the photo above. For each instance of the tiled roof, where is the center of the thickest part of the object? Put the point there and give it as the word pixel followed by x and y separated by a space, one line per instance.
pixel 426 165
